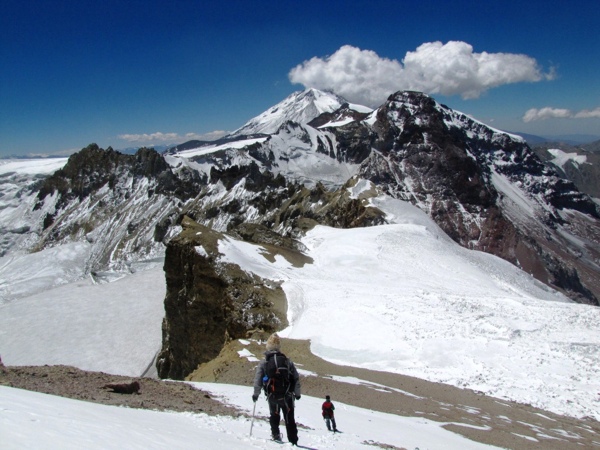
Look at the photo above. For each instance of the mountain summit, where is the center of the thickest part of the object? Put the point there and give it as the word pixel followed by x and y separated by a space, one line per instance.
pixel 300 107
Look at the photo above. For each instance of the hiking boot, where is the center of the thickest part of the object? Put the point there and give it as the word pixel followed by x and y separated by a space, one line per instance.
pixel 277 437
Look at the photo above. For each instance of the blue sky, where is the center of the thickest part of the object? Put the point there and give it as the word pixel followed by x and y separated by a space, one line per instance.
pixel 133 73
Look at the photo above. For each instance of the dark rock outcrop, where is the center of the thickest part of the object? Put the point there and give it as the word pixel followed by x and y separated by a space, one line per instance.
pixel 124 388
pixel 209 301
pixel 93 167
pixel 124 205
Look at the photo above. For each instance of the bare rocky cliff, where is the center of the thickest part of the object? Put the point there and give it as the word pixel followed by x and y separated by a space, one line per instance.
pixel 209 302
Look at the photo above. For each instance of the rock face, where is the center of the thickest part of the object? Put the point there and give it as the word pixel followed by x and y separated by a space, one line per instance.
pixel 579 165
pixel 487 190
pixel 123 205
pixel 209 302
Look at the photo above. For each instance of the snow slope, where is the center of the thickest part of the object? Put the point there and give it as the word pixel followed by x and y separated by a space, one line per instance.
pixel 32 166
pixel 561 158
pixel 18 220
pixel 39 421
pixel 113 327
pixel 404 298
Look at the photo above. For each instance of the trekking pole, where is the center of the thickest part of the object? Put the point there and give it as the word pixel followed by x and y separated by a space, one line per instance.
pixel 252 423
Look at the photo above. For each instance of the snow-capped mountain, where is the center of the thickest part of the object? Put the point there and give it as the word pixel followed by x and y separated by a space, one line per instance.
pixel 486 189
pixel 581 165
pixel 263 219
pixel 299 107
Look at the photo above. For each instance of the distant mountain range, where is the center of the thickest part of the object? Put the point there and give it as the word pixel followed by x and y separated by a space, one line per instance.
pixel 570 139
pixel 486 189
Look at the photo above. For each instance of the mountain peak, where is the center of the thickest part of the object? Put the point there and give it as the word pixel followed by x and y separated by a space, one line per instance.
pixel 300 106
pixel 412 100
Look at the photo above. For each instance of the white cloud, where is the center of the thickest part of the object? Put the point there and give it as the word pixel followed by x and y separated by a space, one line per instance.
pixel 50 154
pixel 588 114
pixel 158 136
pixel 360 76
pixel 453 68
pixel 172 137
pixel 210 136
pixel 534 114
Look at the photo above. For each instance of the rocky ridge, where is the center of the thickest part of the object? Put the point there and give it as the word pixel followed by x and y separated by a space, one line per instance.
pixel 461 172
pixel 122 205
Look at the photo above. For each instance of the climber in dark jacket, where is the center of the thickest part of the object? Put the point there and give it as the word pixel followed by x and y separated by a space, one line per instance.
pixel 281 396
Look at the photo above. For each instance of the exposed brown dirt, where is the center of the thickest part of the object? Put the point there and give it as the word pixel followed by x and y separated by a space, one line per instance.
pixel 66 381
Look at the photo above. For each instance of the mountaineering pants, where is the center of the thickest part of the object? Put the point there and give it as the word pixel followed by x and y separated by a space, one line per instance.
pixel 279 405
pixel 332 420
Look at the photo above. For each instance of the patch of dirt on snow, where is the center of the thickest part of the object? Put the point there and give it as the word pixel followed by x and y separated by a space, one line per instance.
pixel 66 381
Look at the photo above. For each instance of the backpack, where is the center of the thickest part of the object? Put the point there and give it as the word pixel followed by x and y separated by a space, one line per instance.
pixel 277 372
pixel 327 409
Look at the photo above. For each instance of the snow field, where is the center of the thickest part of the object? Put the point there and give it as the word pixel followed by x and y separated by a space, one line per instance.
pixel 39 421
